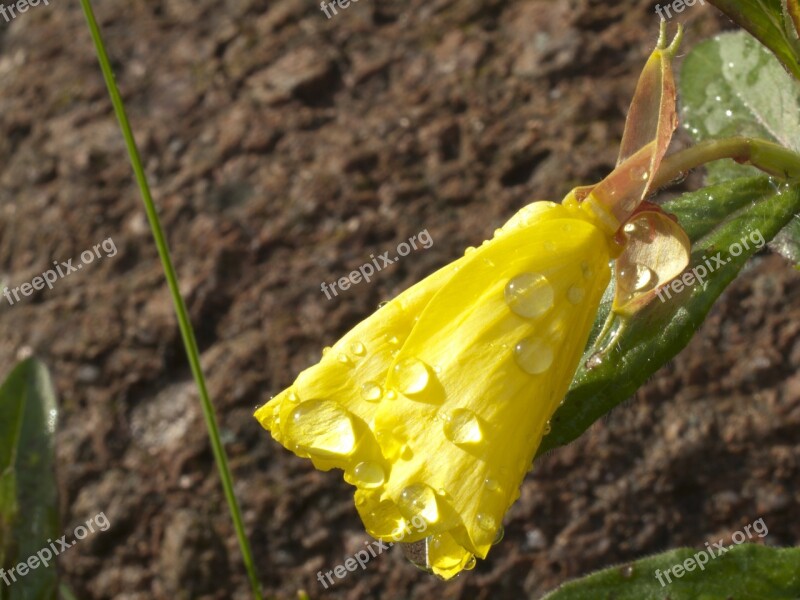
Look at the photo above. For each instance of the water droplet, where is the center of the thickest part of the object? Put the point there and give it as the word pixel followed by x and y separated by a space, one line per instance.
pixel 418 499
pixel 437 369
pixel 358 349
pixel 470 564
pixel 529 295
pixel 412 376
pixel 499 537
pixel 325 350
pixel 491 484
pixel 417 554
pixel 587 270
pixel 534 355
pixel 626 571
pixel 394 341
pixel 547 428
pixel 369 475
pixel 469 250
pixel 594 361
pixel 321 427
pixel 382 303
pixel 498 231
pixel 486 521
pixel 462 426
pixel 575 294
pixel 394 353
pixel 371 391
pixel 292 397
pixel 641 277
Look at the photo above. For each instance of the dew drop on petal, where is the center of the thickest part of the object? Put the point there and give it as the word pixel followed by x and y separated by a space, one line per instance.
pixel 394 341
pixel 292 397
pixel 529 295
pixel 575 294
pixel 499 537
pixel 547 428
pixel 413 376
pixel 418 499
pixel 391 395
pixel 587 270
pixel 382 303
pixel 325 350
pixel 486 521
pixel 371 391
pixel 491 484
pixel 469 250
pixel 461 426
pixel 369 475
pixel 344 359
pixel 358 349
pixel 533 355
pixel 321 427
pixel 470 564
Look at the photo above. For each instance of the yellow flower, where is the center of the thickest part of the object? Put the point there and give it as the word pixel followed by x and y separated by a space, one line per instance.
pixel 435 405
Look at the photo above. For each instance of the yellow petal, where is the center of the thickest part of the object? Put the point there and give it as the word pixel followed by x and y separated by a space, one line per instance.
pixel 483 370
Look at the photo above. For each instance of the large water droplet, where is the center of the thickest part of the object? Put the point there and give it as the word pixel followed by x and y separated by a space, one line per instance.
pixel 640 277
pixel 470 564
pixel 534 355
pixel 413 376
pixel 321 427
pixel 491 484
pixel 418 499
pixel 369 475
pixel 499 537
pixel 529 295
pixel 371 391
pixel 486 521
pixel 575 294
pixel 462 426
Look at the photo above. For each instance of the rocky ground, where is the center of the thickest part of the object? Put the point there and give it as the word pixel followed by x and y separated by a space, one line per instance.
pixel 283 149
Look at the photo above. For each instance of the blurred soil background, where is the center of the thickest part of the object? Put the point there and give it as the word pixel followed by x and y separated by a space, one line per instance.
pixel 283 149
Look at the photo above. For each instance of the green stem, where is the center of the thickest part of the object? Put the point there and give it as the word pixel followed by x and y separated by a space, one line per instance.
pixel 187 333
pixel 771 158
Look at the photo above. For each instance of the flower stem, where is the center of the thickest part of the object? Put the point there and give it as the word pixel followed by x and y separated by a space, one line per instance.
pixel 187 333
pixel 771 158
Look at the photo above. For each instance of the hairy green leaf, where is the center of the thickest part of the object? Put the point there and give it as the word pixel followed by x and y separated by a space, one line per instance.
pixel 773 22
pixel 731 86
pixel 746 572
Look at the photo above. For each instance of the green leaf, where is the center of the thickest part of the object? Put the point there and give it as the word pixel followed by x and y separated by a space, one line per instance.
pixel 732 86
pixel 771 24
pixel 746 572
pixel 28 494
pixel 740 211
